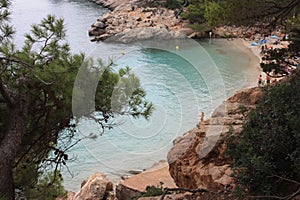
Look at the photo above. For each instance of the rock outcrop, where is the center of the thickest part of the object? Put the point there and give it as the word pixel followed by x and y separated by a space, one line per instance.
pixel 95 188
pixel 134 20
pixel 190 165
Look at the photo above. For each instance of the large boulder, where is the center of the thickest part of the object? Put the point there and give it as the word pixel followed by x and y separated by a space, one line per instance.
pixel 97 187
pixel 96 31
pixel 99 24
pixel 198 159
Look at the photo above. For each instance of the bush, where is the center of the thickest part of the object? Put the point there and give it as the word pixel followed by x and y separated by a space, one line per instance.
pixel 200 27
pixel 172 4
pixel 47 187
pixel 266 155
pixel 152 191
pixel 184 15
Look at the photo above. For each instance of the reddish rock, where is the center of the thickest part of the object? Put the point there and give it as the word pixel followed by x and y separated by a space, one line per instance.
pixel 198 159
pixel 95 188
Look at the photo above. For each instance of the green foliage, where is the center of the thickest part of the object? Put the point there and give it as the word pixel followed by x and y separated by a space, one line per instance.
pixel 6 31
pixel 172 4
pixel 48 187
pixel 267 153
pixel 203 14
pixel 243 12
pixel 3 198
pixel 256 12
pixel 41 186
pixel 195 12
pixel 200 27
pixel 43 73
pixel 152 191
pixel 184 15
pixel 215 12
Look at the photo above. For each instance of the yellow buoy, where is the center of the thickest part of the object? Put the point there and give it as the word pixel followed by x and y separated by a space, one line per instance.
pixel 123 52
pixel 177 47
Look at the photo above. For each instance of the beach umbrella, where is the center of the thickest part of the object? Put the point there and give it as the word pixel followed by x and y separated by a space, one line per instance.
pixel 274 37
pixel 261 42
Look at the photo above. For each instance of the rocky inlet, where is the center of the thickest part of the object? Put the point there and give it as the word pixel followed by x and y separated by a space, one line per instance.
pixel 185 168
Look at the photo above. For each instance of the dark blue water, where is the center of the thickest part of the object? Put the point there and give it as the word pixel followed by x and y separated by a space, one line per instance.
pixel 181 84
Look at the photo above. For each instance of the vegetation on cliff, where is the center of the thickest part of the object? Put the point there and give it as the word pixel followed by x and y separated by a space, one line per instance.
pixel 243 12
pixel 37 126
pixel 266 154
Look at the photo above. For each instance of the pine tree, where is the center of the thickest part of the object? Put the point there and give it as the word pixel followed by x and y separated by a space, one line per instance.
pixel 36 88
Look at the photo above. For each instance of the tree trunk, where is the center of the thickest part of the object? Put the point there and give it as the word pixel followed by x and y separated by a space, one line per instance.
pixel 6 179
pixel 10 145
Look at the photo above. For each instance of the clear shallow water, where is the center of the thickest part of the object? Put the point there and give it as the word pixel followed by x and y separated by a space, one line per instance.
pixel 181 84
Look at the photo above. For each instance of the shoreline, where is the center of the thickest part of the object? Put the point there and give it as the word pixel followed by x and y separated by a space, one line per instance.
pixel 252 52
pixel 254 57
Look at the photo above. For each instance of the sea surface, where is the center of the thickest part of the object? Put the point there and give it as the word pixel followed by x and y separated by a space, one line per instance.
pixel 181 79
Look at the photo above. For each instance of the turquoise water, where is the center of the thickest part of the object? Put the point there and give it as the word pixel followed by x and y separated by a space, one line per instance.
pixel 181 84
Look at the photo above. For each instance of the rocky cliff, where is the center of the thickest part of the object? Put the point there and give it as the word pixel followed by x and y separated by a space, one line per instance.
pixel 134 20
pixel 189 167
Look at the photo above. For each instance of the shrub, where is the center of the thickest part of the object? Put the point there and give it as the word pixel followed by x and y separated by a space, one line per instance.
pixel 266 154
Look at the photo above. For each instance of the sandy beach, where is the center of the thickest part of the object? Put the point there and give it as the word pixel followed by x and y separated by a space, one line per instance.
pixel 254 57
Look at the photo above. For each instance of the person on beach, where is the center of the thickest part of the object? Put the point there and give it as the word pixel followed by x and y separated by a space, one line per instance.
pixel 268 78
pixel 266 48
pixel 202 117
pixel 259 80
pixel 262 50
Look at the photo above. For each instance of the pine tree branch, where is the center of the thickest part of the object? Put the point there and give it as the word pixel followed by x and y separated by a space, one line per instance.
pixel 293 195
pixel 286 179
pixel 27 66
